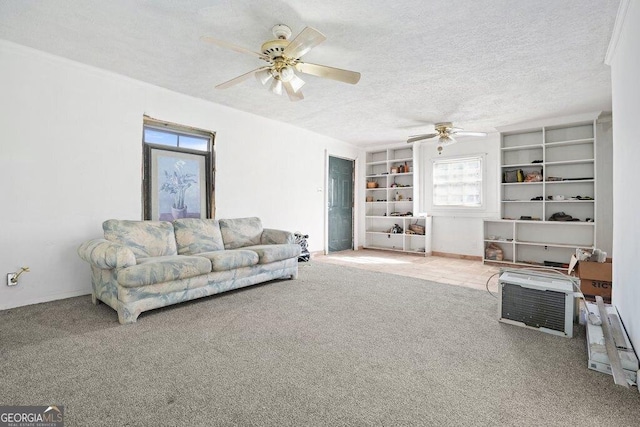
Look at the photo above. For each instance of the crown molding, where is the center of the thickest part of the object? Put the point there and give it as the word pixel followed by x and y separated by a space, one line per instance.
pixel 617 30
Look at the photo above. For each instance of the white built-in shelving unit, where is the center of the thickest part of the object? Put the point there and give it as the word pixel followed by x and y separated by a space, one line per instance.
pixel 565 157
pixel 393 202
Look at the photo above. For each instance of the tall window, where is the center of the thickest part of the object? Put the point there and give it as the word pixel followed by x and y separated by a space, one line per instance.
pixel 457 182
pixel 178 178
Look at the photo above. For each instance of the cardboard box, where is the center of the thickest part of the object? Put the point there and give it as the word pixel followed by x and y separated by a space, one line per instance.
pixel 595 278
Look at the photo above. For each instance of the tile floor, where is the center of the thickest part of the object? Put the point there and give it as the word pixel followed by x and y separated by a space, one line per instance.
pixel 473 274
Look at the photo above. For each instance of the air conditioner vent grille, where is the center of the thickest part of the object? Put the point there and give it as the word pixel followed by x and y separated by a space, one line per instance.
pixel 534 308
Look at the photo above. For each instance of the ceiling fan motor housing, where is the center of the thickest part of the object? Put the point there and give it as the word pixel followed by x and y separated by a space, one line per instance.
pixel 281 31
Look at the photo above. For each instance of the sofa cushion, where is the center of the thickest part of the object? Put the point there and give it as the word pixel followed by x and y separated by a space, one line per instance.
pixel 145 238
pixel 150 271
pixel 273 253
pixel 195 236
pixel 230 259
pixel 240 232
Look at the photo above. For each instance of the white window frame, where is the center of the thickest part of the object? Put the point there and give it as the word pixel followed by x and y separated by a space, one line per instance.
pixel 481 184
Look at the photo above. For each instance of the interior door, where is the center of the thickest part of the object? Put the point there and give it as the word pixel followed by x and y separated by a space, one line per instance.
pixel 340 195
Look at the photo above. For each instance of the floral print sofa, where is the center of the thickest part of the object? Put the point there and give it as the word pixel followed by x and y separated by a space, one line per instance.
pixel 142 265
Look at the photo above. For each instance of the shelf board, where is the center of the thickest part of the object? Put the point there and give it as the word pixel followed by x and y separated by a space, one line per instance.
pixel 523 183
pixel 395 234
pixel 548 201
pixel 382 203
pixel 522 165
pixel 522 147
pixel 390 217
pixel 569 142
pixel 564 223
pixel 377 162
pixel 384 248
pixel 505 261
pixel 569 162
pixel 498 241
pixel 554 245
pixel 574 181
pixel 384 233
pixel 569 201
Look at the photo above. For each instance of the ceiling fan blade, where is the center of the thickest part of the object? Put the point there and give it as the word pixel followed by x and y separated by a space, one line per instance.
pixel 293 94
pixel 240 79
pixel 303 43
pixel 228 45
pixel 468 133
pixel 338 74
pixel 415 138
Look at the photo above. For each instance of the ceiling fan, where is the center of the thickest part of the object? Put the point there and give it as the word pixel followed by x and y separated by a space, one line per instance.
pixel 445 132
pixel 282 56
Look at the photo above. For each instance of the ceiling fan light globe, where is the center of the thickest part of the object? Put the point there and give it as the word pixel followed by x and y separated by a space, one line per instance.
pixel 296 83
pixel 445 140
pixel 287 74
pixel 264 76
pixel 276 86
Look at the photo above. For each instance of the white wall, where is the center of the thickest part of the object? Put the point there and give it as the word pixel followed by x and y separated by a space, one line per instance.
pixel 71 156
pixel 460 231
pixel 625 69
pixel 604 184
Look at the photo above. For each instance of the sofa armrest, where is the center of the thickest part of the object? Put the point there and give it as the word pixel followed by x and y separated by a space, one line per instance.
pixel 107 255
pixel 273 237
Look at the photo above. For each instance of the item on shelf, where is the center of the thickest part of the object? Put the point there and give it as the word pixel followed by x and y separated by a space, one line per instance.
pixel 554 178
pixel 577 179
pixel 372 184
pixel 525 218
pixel 513 176
pixel 561 216
pixel 582 198
pixel 555 264
pixel 537 198
pixel 396 229
pixel 398 197
pixel 416 228
pixel 537 161
pixel 533 177
pixel 558 197
pixel 406 167
pixel 394 170
pixel 369 198
pixel 401 214
pixel 493 252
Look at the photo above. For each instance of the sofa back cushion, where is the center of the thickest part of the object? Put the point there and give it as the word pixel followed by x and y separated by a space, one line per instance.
pixel 145 238
pixel 240 232
pixel 194 236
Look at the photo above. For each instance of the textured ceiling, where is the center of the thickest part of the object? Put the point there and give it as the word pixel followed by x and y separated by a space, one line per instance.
pixel 479 63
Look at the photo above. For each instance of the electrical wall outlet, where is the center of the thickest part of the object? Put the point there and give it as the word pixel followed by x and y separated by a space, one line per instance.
pixel 12 279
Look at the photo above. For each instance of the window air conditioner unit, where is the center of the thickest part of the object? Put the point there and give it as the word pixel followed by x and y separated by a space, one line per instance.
pixel 538 300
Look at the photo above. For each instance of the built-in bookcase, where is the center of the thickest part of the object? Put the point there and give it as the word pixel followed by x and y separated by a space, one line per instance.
pixel 560 164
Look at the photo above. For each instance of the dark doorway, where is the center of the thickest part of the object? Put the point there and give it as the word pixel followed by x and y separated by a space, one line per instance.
pixel 340 197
